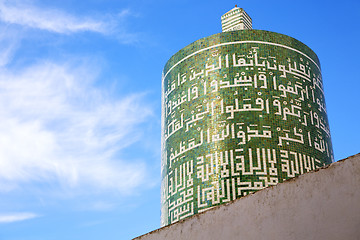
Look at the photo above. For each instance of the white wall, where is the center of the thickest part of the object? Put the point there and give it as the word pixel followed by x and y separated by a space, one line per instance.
pixel 321 205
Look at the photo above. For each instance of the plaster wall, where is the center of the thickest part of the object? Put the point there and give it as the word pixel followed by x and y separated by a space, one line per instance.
pixel 324 204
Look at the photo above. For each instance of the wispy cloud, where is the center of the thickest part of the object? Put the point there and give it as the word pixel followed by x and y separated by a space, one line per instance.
pixel 57 127
pixel 16 217
pixel 57 21
pixel 9 41
pixel 101 206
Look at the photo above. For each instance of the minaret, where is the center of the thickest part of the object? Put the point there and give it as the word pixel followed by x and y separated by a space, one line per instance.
pixel 241 111
pixel 236 19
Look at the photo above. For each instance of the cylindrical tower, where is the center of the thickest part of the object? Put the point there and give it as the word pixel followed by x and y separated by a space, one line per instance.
pixel 241 110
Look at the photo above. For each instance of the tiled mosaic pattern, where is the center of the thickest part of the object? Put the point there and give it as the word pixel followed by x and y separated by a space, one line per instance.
pixel 241 111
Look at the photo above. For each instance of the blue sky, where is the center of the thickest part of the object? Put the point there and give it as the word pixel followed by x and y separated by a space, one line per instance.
pixel 80 103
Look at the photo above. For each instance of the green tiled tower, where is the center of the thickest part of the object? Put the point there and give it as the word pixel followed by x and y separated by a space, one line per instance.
pixel 241 110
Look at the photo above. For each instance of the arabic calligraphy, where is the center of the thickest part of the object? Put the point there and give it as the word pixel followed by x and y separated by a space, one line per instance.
pixel 236 121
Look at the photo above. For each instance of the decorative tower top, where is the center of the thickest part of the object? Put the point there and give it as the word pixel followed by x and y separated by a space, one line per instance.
pixel 236 19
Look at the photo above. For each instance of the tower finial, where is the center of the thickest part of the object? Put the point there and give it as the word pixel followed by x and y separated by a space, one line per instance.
pixel 236 19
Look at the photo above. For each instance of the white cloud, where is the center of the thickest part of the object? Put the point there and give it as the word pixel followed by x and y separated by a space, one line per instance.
pixel 57 127
pixel 102 206
pixel 16 217
pixel 9 41
pixel 53 20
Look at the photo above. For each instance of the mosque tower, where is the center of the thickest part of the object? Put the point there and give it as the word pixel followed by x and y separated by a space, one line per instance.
pixel 242 110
